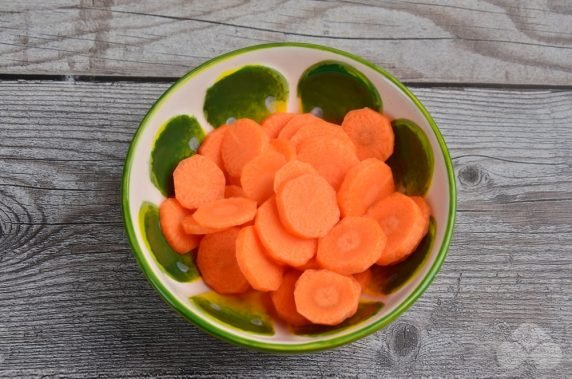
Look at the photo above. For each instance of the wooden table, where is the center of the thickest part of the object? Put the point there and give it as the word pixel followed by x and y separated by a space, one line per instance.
pixel 76 78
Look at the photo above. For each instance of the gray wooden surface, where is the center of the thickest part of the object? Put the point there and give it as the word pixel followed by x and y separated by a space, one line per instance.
pixel 497 76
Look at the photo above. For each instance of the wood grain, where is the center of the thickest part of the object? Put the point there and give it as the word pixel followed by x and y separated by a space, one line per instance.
pixel 74 303
pixel 496 41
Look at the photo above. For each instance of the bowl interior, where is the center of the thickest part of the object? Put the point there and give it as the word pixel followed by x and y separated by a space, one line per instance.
pixel 187 97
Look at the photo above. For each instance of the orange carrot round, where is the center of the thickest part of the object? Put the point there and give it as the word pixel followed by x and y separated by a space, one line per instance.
pixel 171 213
pixel 403 224
pixel 217 263
pixel 367 182
pixel 297 122
pixel 198 180
pixel 274 123
pixel 284 147
pixel 232 190
pixel 210 147
pixel 331 157
pixel 352 246
pixel 243 141
pixel 312 264
pixel 307 206
pixel 291 170
pixel 371 132
pixel 257 178
pixel 317 130
pixel 325 297
pixel 224 213
pixel 283 300
pixel 363 278
pixel 190 226
pixel 280 245
pixel 425 210
pixel 261 272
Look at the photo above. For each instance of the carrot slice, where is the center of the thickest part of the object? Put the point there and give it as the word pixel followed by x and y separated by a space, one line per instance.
pixel 367 182
pixel 258 175
pixel 210 147
pixel 352 246
pixel 217 262
pixel 171 213
pixel 371 132
pixel 283 300
pixel 402 222
pixel 190 226
pixel 291 170
pixel 284 147
pixel 233 190
pixel 262 273
pixel 425 210
pixel 297 122
pixel 326 297
pixel 363 278
pixel 198 181
pixel 307 206
pixel 224 213
pixel 320 129
pixel 243 141
pixel 331 157
pixel 280 245
pixel 274 123
pixel 312 264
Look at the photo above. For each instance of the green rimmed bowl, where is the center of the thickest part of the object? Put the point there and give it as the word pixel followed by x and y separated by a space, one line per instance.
pixel 253 82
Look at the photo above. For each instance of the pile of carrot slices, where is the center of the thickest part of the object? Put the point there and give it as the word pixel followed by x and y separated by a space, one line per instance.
pixel 297 207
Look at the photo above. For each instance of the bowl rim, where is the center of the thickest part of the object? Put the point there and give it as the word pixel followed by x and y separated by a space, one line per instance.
pixel 326 343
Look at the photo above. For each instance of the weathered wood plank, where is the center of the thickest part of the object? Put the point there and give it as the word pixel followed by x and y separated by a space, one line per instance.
pixel 73 301
pixel 506 41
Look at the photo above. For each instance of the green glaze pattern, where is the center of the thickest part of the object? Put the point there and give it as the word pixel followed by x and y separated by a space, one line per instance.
pixel 240 312
pixel 336 88
pixel 388 279
pixel 179 267
pixel 365 310
pixel 178 139
pixel 251 91
pixel 412 160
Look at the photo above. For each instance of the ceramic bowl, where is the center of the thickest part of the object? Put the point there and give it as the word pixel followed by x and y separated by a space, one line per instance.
pixel 252 82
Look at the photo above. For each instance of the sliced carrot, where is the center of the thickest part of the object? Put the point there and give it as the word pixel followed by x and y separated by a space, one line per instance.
pixel 274 123
pixel 243 141
pixel 224 213
pixel 190 226
pixel 232 180
pixel 297 122
pixel 261 272
pixel 312 264
pixel 402 222
pixel 326 297
pixel 284 147
pixel 171 213
pixel 217 262
pixel 210 147
pixel 198 181
pixel 367 182
pixel 233 190
pixel 280 245
pixel 363 278
pixel 291 170
pixel 352 246
pixel 425 210
pixel 371 132
pixel 331 157
pixel 283 300
pixel 257 178
pixel 307 206
pixel 319 129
